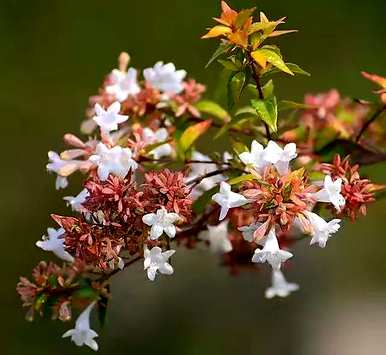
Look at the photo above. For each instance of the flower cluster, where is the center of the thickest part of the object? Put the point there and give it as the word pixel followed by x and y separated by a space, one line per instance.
pixel 148 188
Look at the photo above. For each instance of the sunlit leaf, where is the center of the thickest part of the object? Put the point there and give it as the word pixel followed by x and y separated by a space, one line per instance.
pixel 273 58
pixel 217 31
pixel 214 109
pixel 191 134
pixel 242 178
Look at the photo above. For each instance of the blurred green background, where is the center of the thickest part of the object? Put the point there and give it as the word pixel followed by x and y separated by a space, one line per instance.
pixel 55 53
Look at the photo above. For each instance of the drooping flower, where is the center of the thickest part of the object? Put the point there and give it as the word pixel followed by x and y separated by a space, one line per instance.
pixel 321 229
pixel 117 161
pixel 280 287
pixel 165 77
pixel 330 192
pixel 271 252
pixel 228 199
pixel 61 167
pixel 157 260
pixel 160 135
pixel 217 237
pixel 82 334
pixel 122 85
pixel 108 120
pixel 161 222
pixel 191 94
pixel 76 201
pixel 53 242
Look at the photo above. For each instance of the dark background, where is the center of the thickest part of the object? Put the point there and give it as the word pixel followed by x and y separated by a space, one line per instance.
pixel 54 54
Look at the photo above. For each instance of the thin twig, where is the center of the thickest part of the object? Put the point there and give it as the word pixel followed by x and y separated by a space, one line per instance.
pixel 370 121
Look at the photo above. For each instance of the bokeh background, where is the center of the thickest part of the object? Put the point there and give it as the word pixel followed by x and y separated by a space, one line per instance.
pixel 54 54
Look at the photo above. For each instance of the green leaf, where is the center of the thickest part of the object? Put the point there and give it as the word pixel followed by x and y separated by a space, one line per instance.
pixel 292 105
pixel 242 178
pixel 149 148
pixel 297 70
pixel 268 89
pixel 267 110
pixel 243 16
pixel 239 147
pixel 214 109
pixel 274 58
pixel 228 64
pixel 222 48
pixel 191 134
pixel 237 86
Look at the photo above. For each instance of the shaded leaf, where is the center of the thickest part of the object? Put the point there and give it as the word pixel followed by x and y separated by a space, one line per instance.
pixel 228 64
pixel 267 110
pixel 221 49
pixel 102 309
pixel 243 16
pixel 292 105
pixel 242 178
pixel 204 200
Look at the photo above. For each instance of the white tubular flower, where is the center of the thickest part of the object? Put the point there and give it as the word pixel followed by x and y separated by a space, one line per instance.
pixel 228 199
pixel 161 222
pixel 321 229
pixel 156 260
pixel 54 243
pixel 280 157
pixel 61 167
pixel 161 135
pixel 165 77
pixel 108 120
pixel 61 182
pixel 248 231
pixel 76 201
pixel 254 157
pixel 117 161
pixel 330 192
pixel 82 334
pixel 280 287
pixel 123 84
pixel 217 236
pixel 271 252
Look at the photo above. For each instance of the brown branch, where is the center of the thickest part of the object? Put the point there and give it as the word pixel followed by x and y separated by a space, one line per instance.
pixel 370 121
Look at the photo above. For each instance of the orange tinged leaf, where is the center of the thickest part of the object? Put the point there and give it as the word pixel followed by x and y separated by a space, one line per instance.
pixel 381 81
pixel 280 33
pixel 217 31
pixel 259 58
pixel 192 133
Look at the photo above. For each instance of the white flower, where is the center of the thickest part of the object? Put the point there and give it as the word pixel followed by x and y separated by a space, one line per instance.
pixel 76 201
pixel 108 120
pixel 165 77
pixel 123 84
pixel 271 252
pixel 330 192
pixel 280 287
pixel 160 222
pixel 248 231
pixel 321 229
pixel 254 157
pixel 161 135
pixel 83 334
pixel 280 157
pixel 61 167
pixel 260 157
pixel 217 236
pixel 156 260
pixel 61 182
pixel 228 199
pixel 54 243
pixel 117 161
